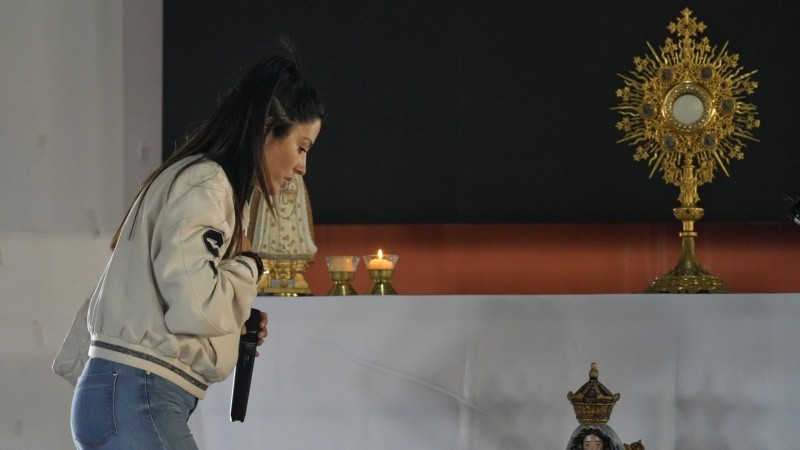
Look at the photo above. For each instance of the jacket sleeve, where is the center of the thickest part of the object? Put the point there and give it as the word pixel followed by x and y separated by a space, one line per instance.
pixel 203 294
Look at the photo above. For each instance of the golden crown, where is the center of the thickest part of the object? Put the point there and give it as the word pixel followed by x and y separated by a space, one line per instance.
pixel 593 402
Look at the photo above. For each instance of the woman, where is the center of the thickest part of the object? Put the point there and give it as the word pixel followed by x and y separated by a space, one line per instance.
pixel 167 314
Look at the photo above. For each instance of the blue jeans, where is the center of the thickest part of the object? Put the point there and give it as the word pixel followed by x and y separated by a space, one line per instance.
pixel 120 407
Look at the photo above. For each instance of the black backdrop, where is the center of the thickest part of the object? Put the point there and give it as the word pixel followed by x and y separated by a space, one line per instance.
pixel 489 112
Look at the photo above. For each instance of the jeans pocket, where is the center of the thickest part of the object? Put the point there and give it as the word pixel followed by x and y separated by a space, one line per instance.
pixel 93 419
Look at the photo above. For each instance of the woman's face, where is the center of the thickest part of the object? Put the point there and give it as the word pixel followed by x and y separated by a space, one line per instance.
pixel 286 156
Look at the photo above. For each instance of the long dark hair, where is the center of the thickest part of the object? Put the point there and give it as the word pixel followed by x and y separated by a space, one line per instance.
pixel 271 97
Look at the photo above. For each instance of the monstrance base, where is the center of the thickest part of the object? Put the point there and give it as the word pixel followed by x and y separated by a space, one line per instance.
pixel 687 284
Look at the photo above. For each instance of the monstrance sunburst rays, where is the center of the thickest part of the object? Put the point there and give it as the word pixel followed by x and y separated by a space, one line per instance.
pixel 683 108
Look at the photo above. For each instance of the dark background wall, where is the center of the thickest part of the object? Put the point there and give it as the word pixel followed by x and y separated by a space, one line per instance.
pixel 489 112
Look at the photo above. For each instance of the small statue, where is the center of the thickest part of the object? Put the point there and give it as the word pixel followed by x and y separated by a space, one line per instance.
pixel 284 239
pixel 593 404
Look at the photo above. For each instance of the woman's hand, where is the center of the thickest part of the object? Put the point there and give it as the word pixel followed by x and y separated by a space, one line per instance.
pixel 246 245
pixel 262 334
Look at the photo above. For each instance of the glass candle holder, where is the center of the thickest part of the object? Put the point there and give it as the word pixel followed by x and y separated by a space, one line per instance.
pixel 381 268
pixel 342 270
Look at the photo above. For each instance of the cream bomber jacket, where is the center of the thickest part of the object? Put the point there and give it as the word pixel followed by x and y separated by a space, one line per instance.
pixel 167 302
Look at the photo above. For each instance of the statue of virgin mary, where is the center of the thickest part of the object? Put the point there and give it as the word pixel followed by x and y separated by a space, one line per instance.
pixel 284 239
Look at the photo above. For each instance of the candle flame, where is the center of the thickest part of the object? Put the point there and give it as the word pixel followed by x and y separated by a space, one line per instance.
pixel 380 254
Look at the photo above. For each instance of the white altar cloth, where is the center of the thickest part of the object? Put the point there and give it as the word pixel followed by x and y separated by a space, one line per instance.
pixel 492 372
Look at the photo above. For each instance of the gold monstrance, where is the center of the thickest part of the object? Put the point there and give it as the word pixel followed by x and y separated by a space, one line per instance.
pixel 683 108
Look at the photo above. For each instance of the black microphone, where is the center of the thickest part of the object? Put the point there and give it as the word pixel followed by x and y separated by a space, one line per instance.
pixel 244 366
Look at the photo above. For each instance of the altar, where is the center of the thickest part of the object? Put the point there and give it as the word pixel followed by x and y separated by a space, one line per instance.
pixel 492 372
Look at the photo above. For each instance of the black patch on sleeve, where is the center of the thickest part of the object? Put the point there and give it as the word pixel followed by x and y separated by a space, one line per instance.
pixel 213 241
pixel 213 267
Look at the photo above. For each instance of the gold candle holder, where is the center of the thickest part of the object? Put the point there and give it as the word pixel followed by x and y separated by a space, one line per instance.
pixel 381 268
pixel 342 270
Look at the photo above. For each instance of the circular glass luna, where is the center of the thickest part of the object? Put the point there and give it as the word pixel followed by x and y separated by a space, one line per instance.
pixel 688 107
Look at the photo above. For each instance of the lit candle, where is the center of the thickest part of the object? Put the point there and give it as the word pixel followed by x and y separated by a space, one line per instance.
pixel 342 264
pixel 380 263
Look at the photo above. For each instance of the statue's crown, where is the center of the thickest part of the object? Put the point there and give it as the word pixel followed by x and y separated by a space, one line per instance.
pixel 593 402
